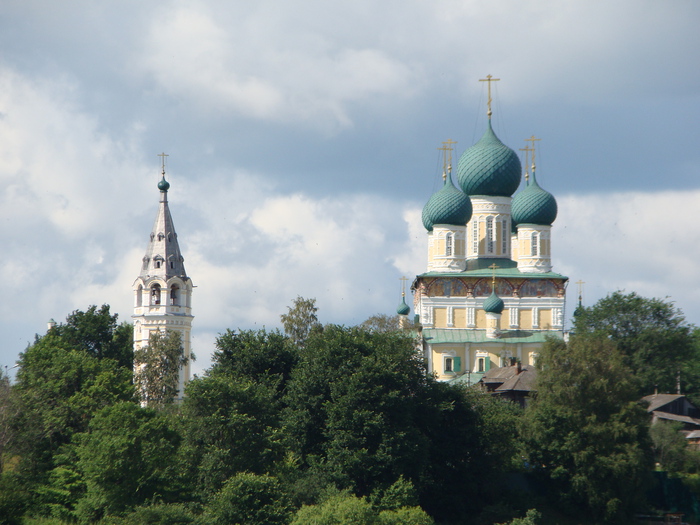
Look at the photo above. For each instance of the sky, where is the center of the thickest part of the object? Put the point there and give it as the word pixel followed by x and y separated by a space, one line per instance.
pixel 302 139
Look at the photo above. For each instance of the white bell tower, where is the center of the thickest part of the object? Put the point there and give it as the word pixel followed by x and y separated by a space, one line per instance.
pixel 162 291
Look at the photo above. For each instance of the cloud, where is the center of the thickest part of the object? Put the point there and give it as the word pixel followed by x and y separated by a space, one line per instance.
pixel 249 70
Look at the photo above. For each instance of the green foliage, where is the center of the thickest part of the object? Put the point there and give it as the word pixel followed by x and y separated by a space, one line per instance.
pixel 585 430
pixel 127 458
pixel 97 332
pixel 9 410
pixel 158 366
pixel 381 323
pixel 249 499
pixel 341 510
pixel 361 412
pixel 230 426
pixel 532 517
pixel 345 509
pixel 15 498
pixel 652 335
pixel 300 320
pixel 670 448
pixel 58 389
pixel 158 514
pixel 257 356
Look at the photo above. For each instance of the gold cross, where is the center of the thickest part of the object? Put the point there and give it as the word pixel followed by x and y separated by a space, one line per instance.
pixel 533 140
pixel 446 157
pixel 527 150
pixel 403 285
pixel 489 79
pixel 162 156
pixel 580 286
pixel 493 280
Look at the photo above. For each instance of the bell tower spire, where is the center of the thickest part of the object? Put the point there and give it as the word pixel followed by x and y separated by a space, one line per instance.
pixel 163 291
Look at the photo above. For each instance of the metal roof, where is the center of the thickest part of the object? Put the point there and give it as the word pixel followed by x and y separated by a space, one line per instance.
pixel 466 335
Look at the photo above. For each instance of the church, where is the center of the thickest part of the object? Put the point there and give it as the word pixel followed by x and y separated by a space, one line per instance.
pixel 489 295
pixel 163 291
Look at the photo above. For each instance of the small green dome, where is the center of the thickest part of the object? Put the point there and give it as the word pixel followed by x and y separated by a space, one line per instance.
pixel 163 185
pixel 494 304
pixel 534 205
pixel 447 206
pixel 403 308
pixel 489 168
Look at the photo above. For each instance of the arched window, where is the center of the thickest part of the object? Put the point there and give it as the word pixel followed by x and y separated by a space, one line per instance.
pixel 490 234
pixel 475 236
pixel 161 236
pixel 174 295
pixel 448 245
pixel 155 294
pixel 480 364
pixel 139 296
pixel 505 235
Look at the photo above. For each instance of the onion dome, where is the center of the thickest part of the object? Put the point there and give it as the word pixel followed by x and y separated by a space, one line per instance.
pixel 163 185
pixel 489 168
pixel 534 205
pixel 403 308
pixel 447 206
pixel 494 304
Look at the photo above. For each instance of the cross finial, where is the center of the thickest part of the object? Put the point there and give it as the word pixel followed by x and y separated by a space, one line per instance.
pixel 162 158
pixel 527 150
pixel 403 280
pixel 489 79
pixel 532 139
pixel 580 284
pixel 493 268
pixel 446 157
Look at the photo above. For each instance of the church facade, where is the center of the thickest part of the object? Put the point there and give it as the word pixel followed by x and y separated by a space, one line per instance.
pixel 489 294
pixel 163 291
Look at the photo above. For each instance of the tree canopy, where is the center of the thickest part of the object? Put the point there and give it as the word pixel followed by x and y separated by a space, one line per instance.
pixel 655 340
pixel 586 432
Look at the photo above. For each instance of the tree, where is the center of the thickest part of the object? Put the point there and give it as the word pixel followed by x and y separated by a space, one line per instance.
pixel 97 332
pixel 158 366
pixel 230 426
pixel 361 412
pixel 258 356
pixel 58 389
pixel 670 448
pixel 127 458
pixel 381 323
pixel 300 320
pixel 652 335
pixel 251 499
pixel 585 431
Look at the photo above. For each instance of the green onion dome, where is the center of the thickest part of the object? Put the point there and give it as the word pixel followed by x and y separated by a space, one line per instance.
pixel 534 205
pixel 403 308
pixel 163 185
pixel 489 168
pixel 447 206
pixel 494 304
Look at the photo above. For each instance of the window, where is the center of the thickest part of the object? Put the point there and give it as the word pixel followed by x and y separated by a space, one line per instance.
pixel 490 234
pixel 505 236
pixel 161 236
pixel 475 236
pixel 174 295
pixel 534 244
pixel 156 263
pixel 448 245
pixel 139 296
pixel 453 364
pixel 480 364
pixel 155 294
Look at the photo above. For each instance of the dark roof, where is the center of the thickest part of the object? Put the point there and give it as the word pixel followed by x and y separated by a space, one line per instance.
pixel 510 379
pixel 656 401
pixel 676 417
